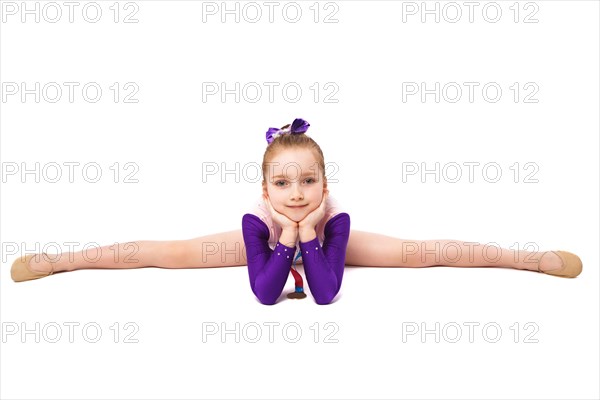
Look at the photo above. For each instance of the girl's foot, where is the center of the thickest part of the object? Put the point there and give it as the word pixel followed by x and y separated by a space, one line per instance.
pixel 570 264
pixel 31 266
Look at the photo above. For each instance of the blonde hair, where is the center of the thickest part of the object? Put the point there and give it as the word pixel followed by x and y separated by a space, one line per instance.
pixel 292 141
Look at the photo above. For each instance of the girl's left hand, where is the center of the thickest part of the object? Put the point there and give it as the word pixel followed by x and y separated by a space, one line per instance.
pixel 312 219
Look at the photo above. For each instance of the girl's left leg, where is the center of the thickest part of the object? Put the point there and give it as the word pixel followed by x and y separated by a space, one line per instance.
pixel 222 249
pixel 368 249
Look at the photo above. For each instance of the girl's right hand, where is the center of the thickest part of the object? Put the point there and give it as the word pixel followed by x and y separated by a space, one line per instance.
pixel 279 218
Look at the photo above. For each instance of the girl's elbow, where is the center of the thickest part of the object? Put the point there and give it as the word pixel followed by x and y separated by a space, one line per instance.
pixel 265 298
pixel 267 301
pixel 325 298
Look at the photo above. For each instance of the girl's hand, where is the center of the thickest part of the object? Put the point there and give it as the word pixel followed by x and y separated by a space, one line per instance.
pixel 279 218
pixel 312 219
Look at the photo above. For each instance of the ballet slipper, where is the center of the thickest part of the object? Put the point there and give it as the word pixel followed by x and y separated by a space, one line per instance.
pixel 571 265
pixel 21 271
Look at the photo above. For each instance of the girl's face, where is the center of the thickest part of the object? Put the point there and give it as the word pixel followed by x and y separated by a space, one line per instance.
pixel 294 178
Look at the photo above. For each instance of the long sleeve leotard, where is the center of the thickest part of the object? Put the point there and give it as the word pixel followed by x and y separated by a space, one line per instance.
pixel 269 269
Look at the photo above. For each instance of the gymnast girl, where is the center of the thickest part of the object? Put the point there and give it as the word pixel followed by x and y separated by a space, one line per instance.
pixel 296 222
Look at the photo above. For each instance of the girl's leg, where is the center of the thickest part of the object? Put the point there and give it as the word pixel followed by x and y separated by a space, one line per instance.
pixel 375 250
pixel 224 249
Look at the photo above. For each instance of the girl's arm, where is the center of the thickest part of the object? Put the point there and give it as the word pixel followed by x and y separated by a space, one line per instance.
pixel 324 267
pixel 268 269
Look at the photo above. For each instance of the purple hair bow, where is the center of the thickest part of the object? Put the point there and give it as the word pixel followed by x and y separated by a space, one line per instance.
pixel 298 126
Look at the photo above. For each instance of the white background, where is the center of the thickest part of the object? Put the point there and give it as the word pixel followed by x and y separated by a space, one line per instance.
pixel 170 133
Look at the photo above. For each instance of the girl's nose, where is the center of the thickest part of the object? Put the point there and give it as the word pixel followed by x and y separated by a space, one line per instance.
pixel 296 192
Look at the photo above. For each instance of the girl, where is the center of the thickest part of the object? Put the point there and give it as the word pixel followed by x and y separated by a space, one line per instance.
pixel 297 222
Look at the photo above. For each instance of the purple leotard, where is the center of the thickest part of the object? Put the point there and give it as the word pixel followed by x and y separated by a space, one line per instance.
pixel 269 269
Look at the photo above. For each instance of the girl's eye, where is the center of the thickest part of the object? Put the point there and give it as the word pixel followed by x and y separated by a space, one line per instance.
pixel 307 179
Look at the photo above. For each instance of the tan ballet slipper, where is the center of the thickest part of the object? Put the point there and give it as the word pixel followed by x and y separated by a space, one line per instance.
pixel 21 271
pixel 571 265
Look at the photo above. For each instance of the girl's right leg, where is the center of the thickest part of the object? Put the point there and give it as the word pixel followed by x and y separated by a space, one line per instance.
pixel 224 249
pixel 368 249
